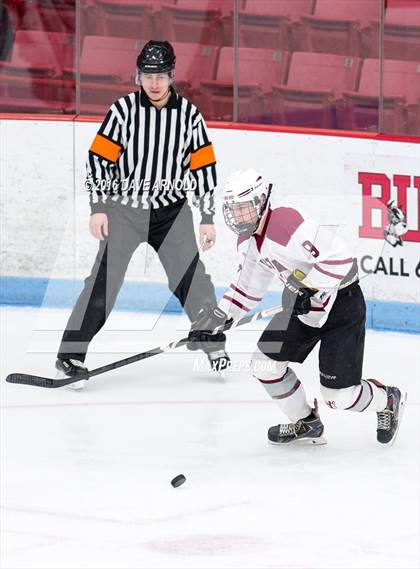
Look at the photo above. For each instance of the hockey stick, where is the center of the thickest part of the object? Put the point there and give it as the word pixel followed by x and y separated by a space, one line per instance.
pixel 38 381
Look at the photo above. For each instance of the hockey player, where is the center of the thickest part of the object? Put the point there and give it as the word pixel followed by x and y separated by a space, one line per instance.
pixel 322 302
pixel 151 149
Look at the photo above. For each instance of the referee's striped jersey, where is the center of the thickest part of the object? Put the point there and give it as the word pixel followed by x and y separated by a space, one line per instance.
pixel 146 157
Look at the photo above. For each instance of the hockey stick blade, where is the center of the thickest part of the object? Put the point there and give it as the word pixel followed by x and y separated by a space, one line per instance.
pixel 39 381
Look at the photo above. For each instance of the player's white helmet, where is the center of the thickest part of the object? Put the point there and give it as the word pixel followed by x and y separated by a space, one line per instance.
pixel 245 199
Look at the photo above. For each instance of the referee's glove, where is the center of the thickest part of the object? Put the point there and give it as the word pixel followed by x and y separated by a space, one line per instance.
pixel 201 335
pixel 296 298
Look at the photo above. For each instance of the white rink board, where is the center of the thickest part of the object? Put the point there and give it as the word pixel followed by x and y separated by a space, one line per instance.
pixel 45 209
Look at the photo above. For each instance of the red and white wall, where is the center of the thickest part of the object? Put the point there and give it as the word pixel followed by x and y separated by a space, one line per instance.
pixel 342 181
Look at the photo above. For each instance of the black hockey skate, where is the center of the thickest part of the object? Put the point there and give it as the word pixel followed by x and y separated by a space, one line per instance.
pixel 389 419
pixel 71 368
pixel 219 361
pixel 307 431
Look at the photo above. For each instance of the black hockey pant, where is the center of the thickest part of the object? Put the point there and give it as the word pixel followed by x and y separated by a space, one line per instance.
pixel 342 340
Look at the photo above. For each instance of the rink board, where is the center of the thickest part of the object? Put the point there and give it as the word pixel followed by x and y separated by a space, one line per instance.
pixel 156 297
pixel 341 181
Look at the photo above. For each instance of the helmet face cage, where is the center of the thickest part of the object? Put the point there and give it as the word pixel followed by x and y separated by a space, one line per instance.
pixel 240 222
pixel 137 77
pixel 246 197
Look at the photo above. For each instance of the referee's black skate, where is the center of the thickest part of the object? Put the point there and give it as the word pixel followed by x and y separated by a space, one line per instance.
pixel 307 431
pixel 70 367
pixel 389 419
pixel 219 360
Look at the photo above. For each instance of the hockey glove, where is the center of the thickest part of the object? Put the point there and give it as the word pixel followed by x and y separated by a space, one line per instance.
pixel 201 336
pixel 397 225
pixel 296 297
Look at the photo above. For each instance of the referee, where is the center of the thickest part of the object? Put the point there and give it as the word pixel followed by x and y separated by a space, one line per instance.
pixel 150 151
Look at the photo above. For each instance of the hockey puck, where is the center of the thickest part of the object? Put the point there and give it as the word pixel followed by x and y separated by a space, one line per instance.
pixel 178 480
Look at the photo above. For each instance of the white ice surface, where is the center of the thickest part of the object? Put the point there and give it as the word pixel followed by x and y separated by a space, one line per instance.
pixel 86 476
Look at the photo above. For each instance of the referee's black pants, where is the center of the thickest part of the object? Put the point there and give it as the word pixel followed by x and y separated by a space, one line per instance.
pixel 170 231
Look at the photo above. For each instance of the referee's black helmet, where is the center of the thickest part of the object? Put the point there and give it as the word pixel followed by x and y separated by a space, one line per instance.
pixel 156 57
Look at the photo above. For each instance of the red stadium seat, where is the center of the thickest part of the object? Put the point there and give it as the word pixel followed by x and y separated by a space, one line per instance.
pixel 49 15
pixel 117 66
pixel 195 21
pixel 33 78
pixel 401 33
pixel 268 24
pixel 63 45
pixel 335 26
pixel 107 69
pixel 105 43
pixel 194 63
pixel 257 70
pixel 40 53
pixel 314 87
pixel 109 58
pixel 122 18
pixel 293 9
pixel 401 87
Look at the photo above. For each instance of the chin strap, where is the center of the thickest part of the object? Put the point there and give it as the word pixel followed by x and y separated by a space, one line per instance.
pixel 264 209
pixel 161 99
pixel 267 199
